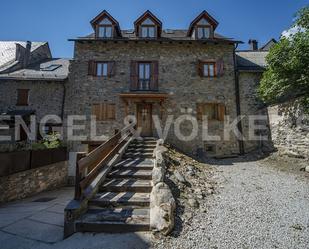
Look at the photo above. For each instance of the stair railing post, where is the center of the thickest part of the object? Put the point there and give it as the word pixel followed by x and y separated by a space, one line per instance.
pixel 78 177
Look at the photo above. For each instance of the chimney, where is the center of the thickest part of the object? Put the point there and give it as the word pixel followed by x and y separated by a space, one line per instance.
pixel 253 45
pixel 27 54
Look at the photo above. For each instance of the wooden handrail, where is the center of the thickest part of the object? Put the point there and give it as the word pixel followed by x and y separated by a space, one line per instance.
pixel 89 166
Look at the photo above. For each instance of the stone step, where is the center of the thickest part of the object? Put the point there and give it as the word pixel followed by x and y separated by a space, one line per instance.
pixel 131 174
pixel 137 155
pixel 140 150
pixel 119 199
pixel 130 185
pixel 142 146
pixel 145 163
pixel 114 220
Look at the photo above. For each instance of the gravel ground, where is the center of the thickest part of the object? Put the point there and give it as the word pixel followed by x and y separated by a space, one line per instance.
pixel 256 204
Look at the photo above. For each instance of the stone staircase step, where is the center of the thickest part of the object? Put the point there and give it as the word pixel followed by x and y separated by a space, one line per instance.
pixel 130 185
pixel 142 146
pixel 140 150
pixel 138 154
pixel 114 220
pixel 119 199
pixel 145 164
pixel 131 174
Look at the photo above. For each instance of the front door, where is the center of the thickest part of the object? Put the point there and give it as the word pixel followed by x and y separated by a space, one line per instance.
pixel 144 119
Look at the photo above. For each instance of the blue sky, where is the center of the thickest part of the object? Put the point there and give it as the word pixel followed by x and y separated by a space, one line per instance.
pixel 56 21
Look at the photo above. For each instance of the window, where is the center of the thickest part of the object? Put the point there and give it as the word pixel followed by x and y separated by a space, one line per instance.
pixel 102 69
pixel 22 97
pixel 213 111
pixel 148 31
pixel 104 111
pixel 209 69
pixel 203 32
pixel 144 76
pixel 105 29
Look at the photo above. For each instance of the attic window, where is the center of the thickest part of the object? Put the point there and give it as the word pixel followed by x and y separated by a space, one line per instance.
pixel 52 67
pixel 148 29
pixel 105 28
pixel 203 32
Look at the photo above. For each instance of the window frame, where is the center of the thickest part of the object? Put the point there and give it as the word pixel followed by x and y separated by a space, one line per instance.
pixel 104 26
pixel 148 26
pixel 96 69
pixel 203 27
pixel 139 63
pixel 214 64
pixel 18 101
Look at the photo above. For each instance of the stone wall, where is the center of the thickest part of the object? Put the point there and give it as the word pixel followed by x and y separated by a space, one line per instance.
pixel 250 104
pixel 44 97
pixel 177 76
pixel 27 183
pixel 289 127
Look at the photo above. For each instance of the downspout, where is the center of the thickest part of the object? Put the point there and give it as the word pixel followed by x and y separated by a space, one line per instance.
pixel 237 97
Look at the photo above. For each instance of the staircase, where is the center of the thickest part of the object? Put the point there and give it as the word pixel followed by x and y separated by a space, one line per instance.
pixel 122 203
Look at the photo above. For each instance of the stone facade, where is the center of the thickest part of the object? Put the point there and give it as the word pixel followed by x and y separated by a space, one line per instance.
pixel 250 104
pixel 27 183
pixel 45 97
pixel 289 127
pixel 178 77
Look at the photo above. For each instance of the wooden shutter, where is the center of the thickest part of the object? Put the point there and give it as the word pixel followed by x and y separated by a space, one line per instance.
pixel 134 75
pixel 22 96
pixel 221 111
pixel 95 111
pixel 154 76
pixel 111 109
pixel 199 111
pixel 199 68
pixel 92 68
pixel 111 68
pixel 219 68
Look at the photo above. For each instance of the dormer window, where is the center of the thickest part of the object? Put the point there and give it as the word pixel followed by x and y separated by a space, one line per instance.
pixel 148 26
pixel 105 26
pixel 148 29
pixel 203 27
pixel 105 29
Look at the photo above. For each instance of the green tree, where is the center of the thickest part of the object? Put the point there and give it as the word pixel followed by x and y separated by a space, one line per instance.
pixel 287 73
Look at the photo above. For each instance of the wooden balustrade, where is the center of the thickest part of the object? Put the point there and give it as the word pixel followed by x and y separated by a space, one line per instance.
pixel 88 166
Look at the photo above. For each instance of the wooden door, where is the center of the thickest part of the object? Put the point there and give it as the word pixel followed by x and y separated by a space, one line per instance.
pixel 144 119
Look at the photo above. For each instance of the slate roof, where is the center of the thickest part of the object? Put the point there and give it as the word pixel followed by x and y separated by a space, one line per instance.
pixel 166 35
pixel 251 60
pixel 49 69
pixel 8 51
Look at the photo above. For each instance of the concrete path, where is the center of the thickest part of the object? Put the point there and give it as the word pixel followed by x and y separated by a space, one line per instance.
pixel 37 223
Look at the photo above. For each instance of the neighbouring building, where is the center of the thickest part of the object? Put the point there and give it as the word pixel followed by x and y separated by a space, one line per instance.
pixel 150 71
pixel 31 81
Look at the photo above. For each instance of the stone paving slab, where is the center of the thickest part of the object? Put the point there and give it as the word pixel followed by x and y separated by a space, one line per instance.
pixel 57 208
pixel 9 241
pixel 36 231
pixel 48 217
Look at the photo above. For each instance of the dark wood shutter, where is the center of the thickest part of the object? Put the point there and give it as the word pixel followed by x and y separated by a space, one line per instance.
pixel 91 68
pixel 22 96
pixel 199 68
pixel 154 83
pixel 111 68
pixel 134 75
pixel 199 111
pixel 111 111
pixel 219 68
pixel 221 111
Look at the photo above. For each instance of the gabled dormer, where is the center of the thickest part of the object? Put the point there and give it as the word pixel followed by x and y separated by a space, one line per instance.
pixel 105 26
pixel 203 26
pixel 148 26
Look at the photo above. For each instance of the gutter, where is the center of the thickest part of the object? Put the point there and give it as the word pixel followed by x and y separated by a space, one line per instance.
pixel 237 97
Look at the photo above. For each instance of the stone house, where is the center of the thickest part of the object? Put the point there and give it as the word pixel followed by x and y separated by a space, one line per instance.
pixel 31 81
pixel 150 71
